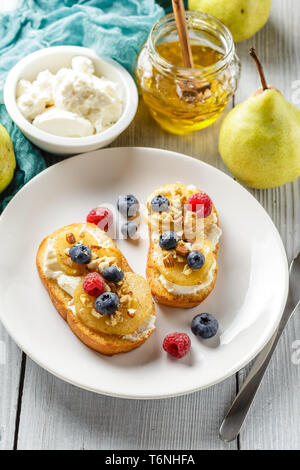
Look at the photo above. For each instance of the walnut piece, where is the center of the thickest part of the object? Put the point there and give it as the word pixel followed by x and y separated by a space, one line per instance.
pixel 95 313
pixel 181 249
pixel 85 301
pixel 70 238
pixel 187 270
pixel 124 299
pixel 131 312
pixel 114 319
pixel 169 261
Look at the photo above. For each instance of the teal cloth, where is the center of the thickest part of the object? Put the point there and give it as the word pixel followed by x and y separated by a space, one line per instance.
pixel 29 159
pixel 115 29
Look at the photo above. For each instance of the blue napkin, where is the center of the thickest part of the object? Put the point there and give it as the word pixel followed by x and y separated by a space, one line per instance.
pixel 29 159
pixel 115 29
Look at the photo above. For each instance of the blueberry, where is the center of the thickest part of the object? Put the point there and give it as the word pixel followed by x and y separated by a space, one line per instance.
pixel 112 274
pixel 129 229
pixel 80 254
pixel 107 303
pixel 128 205
pixel 195 259
pixel 204 325
pixel 168 240
pixel 160 204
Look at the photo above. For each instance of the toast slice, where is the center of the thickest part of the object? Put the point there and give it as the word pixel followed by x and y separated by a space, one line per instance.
pixel 171 280
pixel 133 322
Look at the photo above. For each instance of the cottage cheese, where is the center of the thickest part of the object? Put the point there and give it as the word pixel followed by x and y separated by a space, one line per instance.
pixel 143 330
pixel 74 102
pixel 52 270
pixel 188 290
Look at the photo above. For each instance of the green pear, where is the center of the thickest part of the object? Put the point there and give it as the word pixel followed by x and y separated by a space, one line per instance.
pixel 260 138
pixel 243 17
pixel 7 159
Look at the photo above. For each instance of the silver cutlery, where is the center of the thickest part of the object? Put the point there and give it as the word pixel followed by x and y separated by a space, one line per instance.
pixel 233 422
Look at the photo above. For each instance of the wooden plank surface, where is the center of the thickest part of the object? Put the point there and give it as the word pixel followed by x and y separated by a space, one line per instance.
pixel 55 415
pixel 10 369
pixel 274 420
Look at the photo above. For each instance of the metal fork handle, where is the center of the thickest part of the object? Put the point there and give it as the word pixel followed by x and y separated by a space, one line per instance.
pixel 233 422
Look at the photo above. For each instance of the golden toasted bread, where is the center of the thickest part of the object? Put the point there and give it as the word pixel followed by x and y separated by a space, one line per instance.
pixel 133 322
pixel 171 280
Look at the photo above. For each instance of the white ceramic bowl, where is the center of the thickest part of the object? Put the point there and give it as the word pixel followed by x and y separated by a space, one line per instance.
pixel 54 58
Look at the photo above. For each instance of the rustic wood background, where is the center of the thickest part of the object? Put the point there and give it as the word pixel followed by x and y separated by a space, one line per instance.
pixel 39 411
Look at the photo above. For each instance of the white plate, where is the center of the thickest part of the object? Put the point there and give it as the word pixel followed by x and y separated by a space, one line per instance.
pixel 248 299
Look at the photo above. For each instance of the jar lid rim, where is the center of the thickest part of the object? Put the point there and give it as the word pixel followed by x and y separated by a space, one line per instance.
pixel 184 71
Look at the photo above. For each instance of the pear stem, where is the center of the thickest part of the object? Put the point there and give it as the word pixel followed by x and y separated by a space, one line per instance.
pixel 260 69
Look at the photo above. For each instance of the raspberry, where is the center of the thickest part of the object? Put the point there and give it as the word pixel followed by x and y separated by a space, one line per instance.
pixel 201 204
pixel 93 284
pixel 177 344
pixel 100 216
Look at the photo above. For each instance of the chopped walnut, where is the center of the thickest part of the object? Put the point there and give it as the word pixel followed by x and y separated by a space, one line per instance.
pixel 169 261
pixel 209 222
pixel 95 313
pixel 114 287
pixel 93 265
pixel 187 270
pixel 166 216
pixel 181 248
pixel 114 319
pixel 85 301
pixel 70 238
pixel 131 312
pixel 105 262
pixel 125 290
pixel 124 299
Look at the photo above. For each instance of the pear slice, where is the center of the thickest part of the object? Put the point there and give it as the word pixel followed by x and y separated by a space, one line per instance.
pixel 141 302
pixel 176 273
pixel 66 238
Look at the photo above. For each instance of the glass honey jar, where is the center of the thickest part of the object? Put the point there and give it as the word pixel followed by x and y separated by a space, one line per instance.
pixel 183 100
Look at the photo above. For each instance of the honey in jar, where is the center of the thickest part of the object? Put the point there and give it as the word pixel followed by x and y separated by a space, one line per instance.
pixel 180 99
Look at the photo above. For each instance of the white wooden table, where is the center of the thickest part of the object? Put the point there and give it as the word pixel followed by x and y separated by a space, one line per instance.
pixel 39 411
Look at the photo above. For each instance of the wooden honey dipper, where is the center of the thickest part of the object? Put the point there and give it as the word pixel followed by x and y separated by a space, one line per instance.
pixel 190 89
pixel 184 40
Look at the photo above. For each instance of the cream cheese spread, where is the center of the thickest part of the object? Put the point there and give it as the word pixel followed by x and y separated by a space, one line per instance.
pixel 143 330
pixel 188 290
pixel 52 270
pixel 74 102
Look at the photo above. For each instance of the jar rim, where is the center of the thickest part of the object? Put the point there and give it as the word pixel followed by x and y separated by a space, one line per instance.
pixel 185 71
